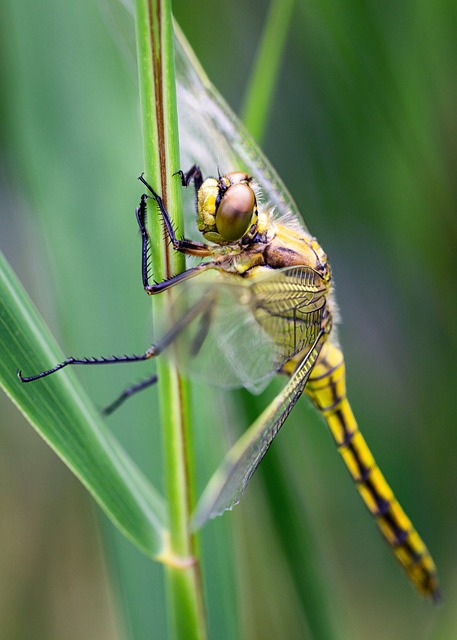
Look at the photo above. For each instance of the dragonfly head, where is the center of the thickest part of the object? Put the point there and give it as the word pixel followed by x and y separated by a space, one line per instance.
pixel 227 207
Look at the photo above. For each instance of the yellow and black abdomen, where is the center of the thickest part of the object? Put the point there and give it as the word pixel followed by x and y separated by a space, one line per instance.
pixel 327 390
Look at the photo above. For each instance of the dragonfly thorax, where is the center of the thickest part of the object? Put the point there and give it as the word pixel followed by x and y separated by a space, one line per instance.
pixel 227 208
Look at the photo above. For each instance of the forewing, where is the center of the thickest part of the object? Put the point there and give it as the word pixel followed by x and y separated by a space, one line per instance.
pixel 212 137
pixel 230 480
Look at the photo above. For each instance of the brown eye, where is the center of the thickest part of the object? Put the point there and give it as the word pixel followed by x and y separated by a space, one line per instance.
pixel 234 214
pixel 237 176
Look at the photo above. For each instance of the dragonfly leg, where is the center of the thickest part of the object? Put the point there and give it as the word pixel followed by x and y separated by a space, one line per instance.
pixel 203 329
pixel 153 288
pixel 195 347
pixel 141 217
pixel 194 174
pixel 154 350
pixel 83 361
pixel 188 247
pixel 127 393
pixel 158 287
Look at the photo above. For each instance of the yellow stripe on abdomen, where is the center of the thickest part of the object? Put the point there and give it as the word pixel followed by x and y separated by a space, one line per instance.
pixel 327 390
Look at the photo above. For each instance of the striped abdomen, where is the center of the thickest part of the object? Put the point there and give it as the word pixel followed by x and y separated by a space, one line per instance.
pixel 327 389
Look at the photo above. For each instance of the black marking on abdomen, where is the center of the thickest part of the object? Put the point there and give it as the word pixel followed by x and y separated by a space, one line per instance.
pixel 384 509
pixel 383 506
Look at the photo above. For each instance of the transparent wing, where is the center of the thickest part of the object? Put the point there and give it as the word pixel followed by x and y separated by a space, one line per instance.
pixel 243 330
pixel 210 134
pixel 230 480
pixel 212 137
pixel 223 344
pixel 289 305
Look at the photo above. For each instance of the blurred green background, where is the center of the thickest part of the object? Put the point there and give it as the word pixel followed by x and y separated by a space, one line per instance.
pixel 364 132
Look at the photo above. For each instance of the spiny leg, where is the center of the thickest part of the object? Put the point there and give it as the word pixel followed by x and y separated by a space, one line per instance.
pixel 158 287
pixel 140 213
pixel 203 329
pixel 194 349
pixel 83 361
pixel 154 350
pixel 185 246
pixel 188 247
pixel 194 174
pixel 128 393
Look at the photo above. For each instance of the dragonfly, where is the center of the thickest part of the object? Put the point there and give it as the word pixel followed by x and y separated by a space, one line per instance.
pixel 259 303
pixel 266 308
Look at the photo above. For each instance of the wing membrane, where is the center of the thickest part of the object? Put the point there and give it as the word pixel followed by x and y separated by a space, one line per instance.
pixel 289 305
pixel 247 328
pixel 214 138
pixel 225 345
pixel 230 480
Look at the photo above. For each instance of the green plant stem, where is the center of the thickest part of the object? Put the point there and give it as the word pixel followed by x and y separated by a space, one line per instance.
pixel 264 77
pixel 161 152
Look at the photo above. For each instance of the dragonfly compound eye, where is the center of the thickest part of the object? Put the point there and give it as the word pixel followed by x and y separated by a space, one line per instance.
pixel 235 212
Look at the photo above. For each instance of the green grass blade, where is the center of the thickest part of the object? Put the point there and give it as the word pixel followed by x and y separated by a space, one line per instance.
pixel 64 417
pixel 259 95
